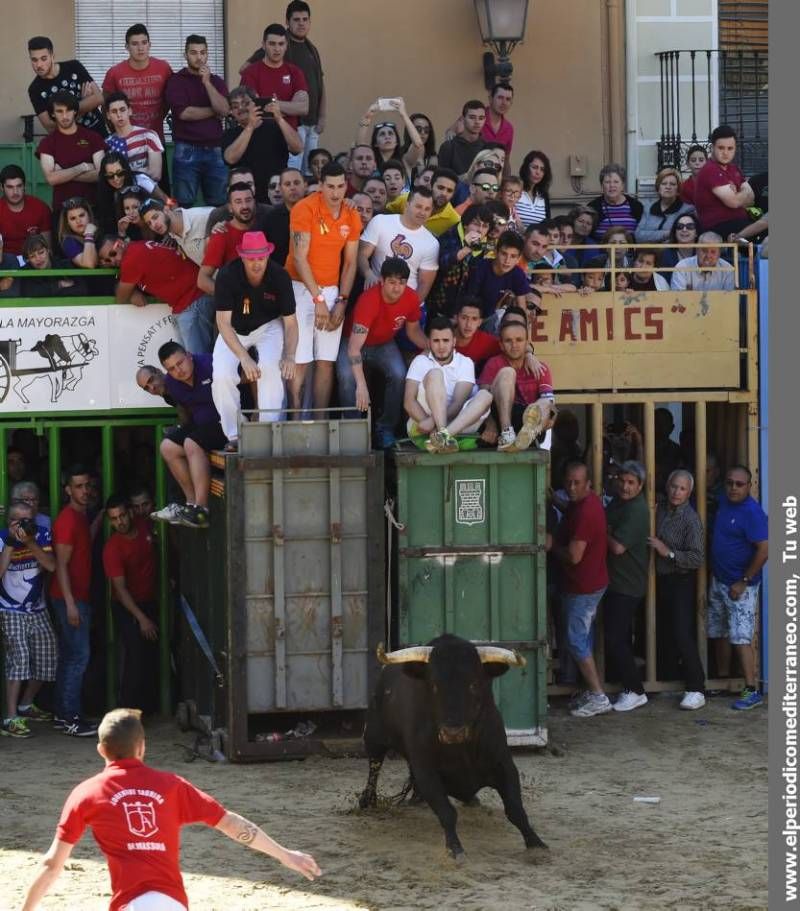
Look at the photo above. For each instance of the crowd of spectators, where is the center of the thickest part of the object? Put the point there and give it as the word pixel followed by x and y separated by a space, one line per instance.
pixel 400 275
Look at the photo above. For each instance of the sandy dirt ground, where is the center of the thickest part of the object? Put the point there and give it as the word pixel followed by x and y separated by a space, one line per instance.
pixel 702 847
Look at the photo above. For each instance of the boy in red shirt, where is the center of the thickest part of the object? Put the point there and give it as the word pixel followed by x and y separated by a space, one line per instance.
pixel 273 78
pixel 136 814
pixel 21 215
pixel 379 314
pixel 69 589
pixel 129 561
pixel 471 340
pixel 721 194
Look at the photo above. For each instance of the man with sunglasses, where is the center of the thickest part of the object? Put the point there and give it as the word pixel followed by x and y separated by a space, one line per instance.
pixel 739 550
pixel 485 186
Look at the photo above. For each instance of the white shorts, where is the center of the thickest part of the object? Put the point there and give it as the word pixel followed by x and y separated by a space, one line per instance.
pixel 154 901
pixel 314 344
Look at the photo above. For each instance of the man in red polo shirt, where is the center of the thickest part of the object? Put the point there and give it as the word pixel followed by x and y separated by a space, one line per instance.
pixel 496 128
pixel 129 561
pixel 136 814
pixel 272 77
pixel 369 333
pixel 721 194
pixel 149 267
pixel 70 590
pixel 516 388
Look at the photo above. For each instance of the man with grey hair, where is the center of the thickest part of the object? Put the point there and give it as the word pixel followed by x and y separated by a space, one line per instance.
pixel 705 271
pixel 28 493
pixel 26 556
pixel 679 544
pixel 628 521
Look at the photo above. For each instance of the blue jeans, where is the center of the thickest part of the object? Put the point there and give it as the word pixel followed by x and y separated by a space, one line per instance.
pixel 310 138
pixel 196 325
pixel 73 657
pixel 195 167
pixel 387 360
pixel 581 611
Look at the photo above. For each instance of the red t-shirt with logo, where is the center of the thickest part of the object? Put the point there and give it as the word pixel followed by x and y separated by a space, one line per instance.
pixel 381 319
pixel 585 521
pixel 529 388
pixel 34 218
pixel 134 559
pixel 72 527
pixel 283 81
pixel 221 246
pixel 145 90
pixel 480 347
pixel 165 272
pixel 136 814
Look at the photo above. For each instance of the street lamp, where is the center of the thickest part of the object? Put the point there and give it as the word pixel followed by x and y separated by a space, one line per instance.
pixel 502 25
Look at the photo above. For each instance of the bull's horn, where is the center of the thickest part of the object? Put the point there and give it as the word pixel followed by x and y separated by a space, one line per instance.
pixel 491 654
pixel 416 653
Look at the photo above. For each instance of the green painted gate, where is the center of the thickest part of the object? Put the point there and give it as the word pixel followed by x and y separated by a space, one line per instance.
pixel 471 561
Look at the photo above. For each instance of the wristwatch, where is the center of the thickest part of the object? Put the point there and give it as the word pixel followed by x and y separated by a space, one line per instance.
pixel 671 555
pixel 746 580
pixel 320 298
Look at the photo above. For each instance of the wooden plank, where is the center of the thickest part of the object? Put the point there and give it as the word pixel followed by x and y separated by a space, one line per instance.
pixel 650 602
pixel 278 572
pixel 337 630
pixel 700 451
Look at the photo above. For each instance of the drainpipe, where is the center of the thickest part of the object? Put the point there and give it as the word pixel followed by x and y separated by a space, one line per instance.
pixel 615 79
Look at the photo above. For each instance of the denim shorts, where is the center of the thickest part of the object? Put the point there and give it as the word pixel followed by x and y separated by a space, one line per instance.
pixel 729 619
pixel 581 611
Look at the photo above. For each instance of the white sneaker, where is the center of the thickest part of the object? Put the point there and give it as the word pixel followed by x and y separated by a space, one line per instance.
pixel 693 701
pixel 170 513
pixel 507 440
pixel 596 704
pixel 627 700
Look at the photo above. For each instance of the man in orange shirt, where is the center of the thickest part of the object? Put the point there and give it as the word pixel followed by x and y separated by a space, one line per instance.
pixel 324 240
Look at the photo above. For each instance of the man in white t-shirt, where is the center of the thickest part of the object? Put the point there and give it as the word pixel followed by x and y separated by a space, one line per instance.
pixel 441 397
pixel 406 236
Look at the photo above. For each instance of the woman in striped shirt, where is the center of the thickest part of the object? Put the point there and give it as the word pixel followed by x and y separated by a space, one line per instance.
pixel 614 208
pixel 534 203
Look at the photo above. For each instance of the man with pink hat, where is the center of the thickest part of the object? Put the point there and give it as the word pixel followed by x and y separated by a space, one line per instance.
pixel 255 307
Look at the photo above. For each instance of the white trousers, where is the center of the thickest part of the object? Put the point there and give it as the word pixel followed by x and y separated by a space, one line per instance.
pixel 268 341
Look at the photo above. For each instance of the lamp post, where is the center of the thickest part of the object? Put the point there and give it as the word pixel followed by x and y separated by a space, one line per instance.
pixel 502 24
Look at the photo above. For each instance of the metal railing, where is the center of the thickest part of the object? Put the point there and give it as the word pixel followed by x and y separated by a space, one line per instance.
pixel 742 79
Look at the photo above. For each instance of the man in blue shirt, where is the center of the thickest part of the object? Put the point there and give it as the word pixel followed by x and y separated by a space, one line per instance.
pixel 185 449
pixel 499 282
pixel 738 552
pixel 26 557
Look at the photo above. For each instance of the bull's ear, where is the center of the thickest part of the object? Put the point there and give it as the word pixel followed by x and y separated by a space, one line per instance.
pixel 416 669
pixel 494 668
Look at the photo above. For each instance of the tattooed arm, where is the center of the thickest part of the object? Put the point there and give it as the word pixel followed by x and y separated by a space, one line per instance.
pixel 301 242
pixel 247 833
pixel 355 343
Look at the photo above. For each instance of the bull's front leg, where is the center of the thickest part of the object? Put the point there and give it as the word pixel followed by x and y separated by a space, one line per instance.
pixel 429 786
pixel 511 793
pixel 369 796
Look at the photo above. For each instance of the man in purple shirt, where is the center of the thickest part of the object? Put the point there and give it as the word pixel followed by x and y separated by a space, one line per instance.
pixel 198 102
pixel 185 449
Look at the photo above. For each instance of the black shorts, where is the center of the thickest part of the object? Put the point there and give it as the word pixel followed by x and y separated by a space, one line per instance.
pixel 207 436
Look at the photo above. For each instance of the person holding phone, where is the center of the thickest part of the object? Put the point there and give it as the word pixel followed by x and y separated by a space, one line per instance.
pixel 385 137
pixel 274 79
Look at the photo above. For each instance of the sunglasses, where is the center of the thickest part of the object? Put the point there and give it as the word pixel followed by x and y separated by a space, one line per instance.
pixel 113 175
pixel 386 123
pixel 685 226
pixel 729 482
pixel 74 202
pixel 487 187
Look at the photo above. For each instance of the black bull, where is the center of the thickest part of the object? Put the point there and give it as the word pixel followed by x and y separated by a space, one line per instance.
pixel 434 705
